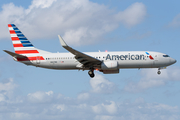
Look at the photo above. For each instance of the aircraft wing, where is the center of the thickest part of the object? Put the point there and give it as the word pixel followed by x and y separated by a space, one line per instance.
pixel 84 59
pixel 14 54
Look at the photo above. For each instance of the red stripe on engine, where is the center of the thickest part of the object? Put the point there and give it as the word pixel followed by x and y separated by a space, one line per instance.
pixel 12 32
pixel 9 25
pixel 17 45
pixel 26 51
pixel 31 58
pixel 14 38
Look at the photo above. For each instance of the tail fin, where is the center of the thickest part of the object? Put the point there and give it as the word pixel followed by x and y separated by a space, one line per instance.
pixel 21 44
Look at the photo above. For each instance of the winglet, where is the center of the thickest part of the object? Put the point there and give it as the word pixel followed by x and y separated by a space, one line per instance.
pixel 62 41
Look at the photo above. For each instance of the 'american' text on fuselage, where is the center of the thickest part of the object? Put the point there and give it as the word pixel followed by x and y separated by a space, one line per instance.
pixel 125 57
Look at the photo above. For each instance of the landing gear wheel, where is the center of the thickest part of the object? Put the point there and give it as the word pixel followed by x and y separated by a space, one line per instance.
pixel 91 73
pixel 159 72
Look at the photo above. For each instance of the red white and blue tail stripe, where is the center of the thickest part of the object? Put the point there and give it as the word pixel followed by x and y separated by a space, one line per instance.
pixel 21 44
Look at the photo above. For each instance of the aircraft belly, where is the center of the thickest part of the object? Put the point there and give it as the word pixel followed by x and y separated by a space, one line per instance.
pixel 136 64
pixel 66 66
pixel 58 64
pixel 27 62
pixel 161 63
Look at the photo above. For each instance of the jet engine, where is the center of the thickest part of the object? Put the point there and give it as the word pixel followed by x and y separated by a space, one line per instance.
pixel 109 65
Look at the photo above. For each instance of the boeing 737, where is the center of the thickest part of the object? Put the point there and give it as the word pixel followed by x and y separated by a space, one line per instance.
pixel 106 62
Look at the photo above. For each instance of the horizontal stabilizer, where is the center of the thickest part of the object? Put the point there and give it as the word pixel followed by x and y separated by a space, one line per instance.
pixel 14 54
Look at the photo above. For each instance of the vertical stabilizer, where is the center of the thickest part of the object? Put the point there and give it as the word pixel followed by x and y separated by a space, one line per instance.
pixel 21 44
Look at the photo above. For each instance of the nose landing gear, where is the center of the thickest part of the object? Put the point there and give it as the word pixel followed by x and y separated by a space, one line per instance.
pixel 159 72
pixel 91 73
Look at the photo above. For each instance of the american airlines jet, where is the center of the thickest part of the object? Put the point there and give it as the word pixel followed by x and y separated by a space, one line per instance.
pixel 106 62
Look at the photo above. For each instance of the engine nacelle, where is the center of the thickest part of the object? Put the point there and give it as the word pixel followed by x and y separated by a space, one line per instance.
pixel 109 65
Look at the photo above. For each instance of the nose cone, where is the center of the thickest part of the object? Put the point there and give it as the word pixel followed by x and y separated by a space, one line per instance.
pixel 173 61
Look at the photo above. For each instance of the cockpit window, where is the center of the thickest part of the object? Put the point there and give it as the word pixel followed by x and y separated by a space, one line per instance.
pixel 166 56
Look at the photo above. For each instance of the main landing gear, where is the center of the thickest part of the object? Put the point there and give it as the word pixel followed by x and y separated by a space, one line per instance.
pixel 91 73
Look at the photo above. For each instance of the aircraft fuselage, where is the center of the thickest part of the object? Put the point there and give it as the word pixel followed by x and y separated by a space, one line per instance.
pixel 129 59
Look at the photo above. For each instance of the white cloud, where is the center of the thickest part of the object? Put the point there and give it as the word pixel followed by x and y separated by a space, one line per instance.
pixel 175 22
pixel 83 96
pixel 110 108
pixel 138 110
pixel 105 108
pixel 2 97
pixel 40 97
pixel 101 85
pixel 48 106
pixel 7 93
pixel 19 115
pixel 133 15
pixel 60 107
pixel 7 89
pixel 151 79
pixel 41 3
pixel 104 117
pixel 79 22
pixel 9 14
pixel 8 85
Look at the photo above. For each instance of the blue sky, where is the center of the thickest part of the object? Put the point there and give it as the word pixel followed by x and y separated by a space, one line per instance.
pixel 28 92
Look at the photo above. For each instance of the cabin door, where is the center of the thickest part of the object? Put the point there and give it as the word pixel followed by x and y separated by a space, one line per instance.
pixel 38 59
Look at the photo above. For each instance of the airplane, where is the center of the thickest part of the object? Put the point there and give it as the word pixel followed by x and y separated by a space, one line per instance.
pixel 106 62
